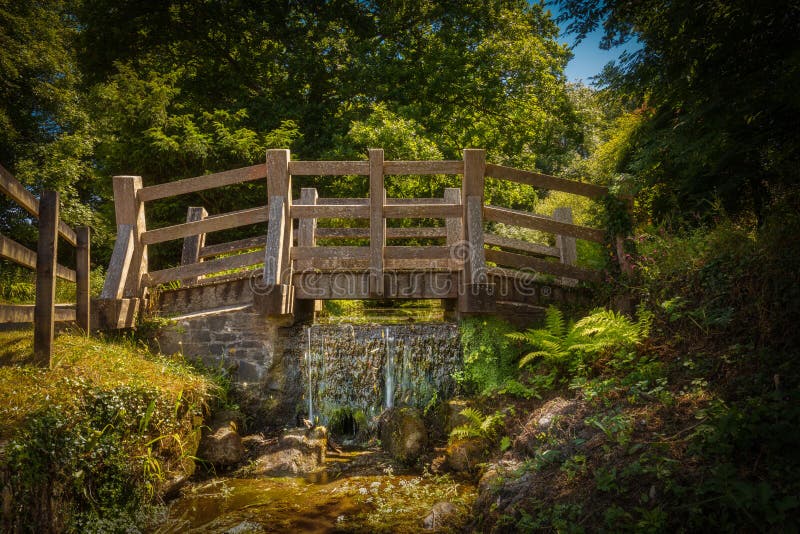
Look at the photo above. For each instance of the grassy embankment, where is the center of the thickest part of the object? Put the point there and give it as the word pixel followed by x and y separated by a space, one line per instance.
pixel 89 444
pixel 687 420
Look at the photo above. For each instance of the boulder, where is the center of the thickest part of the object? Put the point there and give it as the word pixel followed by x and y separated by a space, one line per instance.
pixel 453 417
pixel 403 434
pixel 298 451
pixel 441 514
pixel 464 455
pixel 542 421
pixel 222 447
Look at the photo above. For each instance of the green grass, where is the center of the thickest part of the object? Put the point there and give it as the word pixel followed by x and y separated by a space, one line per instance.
pixel 103 429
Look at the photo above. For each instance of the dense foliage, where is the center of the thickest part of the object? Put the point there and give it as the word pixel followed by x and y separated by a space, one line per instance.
pixel 713 88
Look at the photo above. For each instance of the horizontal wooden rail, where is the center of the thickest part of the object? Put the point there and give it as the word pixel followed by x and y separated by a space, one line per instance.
pixel 209 251
pixel 336 201
pixel 416 253
pixel 519 261
pixel 519 244
pixel 23 313
pixel 154 278
pixel 332 253
pixel 423 167
pixel 201 183
pixel 538 222
pixel 422 211
pixel 545 181
pixel 328 168
pixel 329 211
pixel 24 256
pixel 211 224
pixel 17 192
pixel 391 233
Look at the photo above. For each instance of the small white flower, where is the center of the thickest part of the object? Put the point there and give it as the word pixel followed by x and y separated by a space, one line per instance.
pixel 362 491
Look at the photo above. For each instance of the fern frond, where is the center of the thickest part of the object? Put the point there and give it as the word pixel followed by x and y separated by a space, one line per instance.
pixel 554 321
pixel 465 431
pixel 474 417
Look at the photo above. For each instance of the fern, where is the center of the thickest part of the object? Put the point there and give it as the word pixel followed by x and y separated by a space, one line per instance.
pixel 596 333
pixel 477 425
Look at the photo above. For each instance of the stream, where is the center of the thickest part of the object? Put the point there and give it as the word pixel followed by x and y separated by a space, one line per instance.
pixel 359 490
pixel 351 373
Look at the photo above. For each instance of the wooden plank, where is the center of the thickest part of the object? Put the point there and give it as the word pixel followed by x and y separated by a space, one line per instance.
pixel 117 273
pixel 190 253
pixel 545 181
pixel 422 211
pixel 279 183
pixel 11 250
pixel 453 227
pixel 129 210
pixel 211 224
pixel 566 245
pixel 239 245
pixel 201 183
pixel 342 233
pixel 17 192
pixel 421 253
pixel 426 232
pixel 328 168
pixel 306 228
pixel 330 253
pixel 518 244
pixel 273 253
pixel 343 211
pixel 46 254
pixel 377 222
pixel 83 271
pixel 334 264
pixel 415 264
pixel 355 285
pixel 201 269
pixel 23 313
pixel 337 201
pixel 537 222
pixel 476 262
pixel 423 167
pixel 519 261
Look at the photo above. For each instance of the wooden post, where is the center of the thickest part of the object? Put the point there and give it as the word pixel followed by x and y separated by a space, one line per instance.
pixel 192 244
pixel 306 228
pixel 566 245
pixel 82 271
pixel 279 184
pixel 377 224
pixel 455 235
pixel 46 256
pixel 476 294
pixel 306 237
pixel 130 211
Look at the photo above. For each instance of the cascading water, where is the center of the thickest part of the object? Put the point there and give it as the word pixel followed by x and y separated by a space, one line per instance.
pixel 367 368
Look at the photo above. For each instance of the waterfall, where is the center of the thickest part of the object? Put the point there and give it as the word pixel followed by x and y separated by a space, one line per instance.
pixel 347 366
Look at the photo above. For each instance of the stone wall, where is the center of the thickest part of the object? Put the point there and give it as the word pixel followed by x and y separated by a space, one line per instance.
pixel 262 358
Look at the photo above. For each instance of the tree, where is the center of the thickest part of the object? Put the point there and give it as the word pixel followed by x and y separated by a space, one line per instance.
pixel 717 80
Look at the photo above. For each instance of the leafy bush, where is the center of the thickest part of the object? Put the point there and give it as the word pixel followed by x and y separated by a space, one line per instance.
pixel 489 355
pixel 568 346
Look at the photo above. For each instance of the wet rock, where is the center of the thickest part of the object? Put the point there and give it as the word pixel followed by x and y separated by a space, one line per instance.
pixel 464 455
pixel 298 451
pixel 403 434
pixel 222 448
pixel 453 417
pixel 543 420
pixel 441 514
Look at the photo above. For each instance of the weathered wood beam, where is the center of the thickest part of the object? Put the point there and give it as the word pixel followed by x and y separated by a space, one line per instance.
pixel 518 244
pixel 545 224
pixel 377 222
pixel 182 272
pixel 17 192
pixel 46 254
pixel 247 243
pixel 201 183
pixel 328 168
pixel 210 224
pixel 545 181
pixel 423 167
pixel 519 261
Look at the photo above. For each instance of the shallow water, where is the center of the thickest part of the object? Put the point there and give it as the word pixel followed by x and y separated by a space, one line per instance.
pixel 340 498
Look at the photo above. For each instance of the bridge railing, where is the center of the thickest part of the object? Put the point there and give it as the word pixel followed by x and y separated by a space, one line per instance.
pixel 44 313
pixel 475 255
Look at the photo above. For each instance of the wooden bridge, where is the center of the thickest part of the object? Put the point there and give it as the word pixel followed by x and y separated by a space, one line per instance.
pixel 289 268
